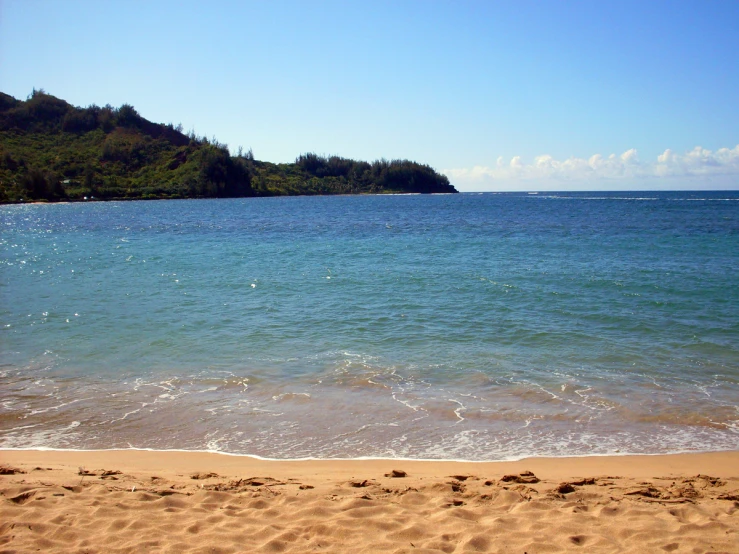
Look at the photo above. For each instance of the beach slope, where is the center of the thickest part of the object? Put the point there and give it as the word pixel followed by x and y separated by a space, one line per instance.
pixel 136 501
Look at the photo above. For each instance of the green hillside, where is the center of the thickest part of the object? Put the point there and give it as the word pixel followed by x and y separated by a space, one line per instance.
pixel 51 150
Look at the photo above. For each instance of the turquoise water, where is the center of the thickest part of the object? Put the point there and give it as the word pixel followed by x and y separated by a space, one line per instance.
pixel 477 327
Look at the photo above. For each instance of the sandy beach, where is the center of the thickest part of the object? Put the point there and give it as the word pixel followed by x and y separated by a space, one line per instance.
pixel 141 501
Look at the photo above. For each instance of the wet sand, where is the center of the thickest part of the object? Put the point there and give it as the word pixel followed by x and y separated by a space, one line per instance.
pixel 135 501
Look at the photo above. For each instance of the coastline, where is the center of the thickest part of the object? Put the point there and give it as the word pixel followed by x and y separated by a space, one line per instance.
pixel 129 500
pixel 141 459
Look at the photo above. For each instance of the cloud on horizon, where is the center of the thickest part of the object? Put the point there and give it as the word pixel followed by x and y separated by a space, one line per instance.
pixel 626 170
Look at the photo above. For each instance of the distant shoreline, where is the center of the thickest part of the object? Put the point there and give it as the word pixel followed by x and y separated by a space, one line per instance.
pixel 93 200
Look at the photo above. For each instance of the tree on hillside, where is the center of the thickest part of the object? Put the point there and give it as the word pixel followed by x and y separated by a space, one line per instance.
pixel 127 116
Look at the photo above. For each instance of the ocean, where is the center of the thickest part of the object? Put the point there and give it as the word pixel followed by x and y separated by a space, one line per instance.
pixel 460 327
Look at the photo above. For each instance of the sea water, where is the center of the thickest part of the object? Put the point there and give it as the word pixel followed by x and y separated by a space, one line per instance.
pixel 471 326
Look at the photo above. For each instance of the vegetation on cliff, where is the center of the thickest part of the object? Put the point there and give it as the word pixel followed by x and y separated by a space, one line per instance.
pixel 51 150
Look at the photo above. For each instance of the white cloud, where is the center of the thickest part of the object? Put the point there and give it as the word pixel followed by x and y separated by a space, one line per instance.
pixel 698 162
pixel 598 171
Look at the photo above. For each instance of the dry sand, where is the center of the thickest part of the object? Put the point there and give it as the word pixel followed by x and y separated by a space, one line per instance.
pixel 133 501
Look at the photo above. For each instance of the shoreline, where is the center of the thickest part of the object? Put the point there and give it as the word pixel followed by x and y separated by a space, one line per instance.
pixel 256 457
pixel 126 199
pixel 629 465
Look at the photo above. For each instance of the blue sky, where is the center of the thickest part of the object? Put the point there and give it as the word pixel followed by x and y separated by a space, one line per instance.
pixel 497 95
